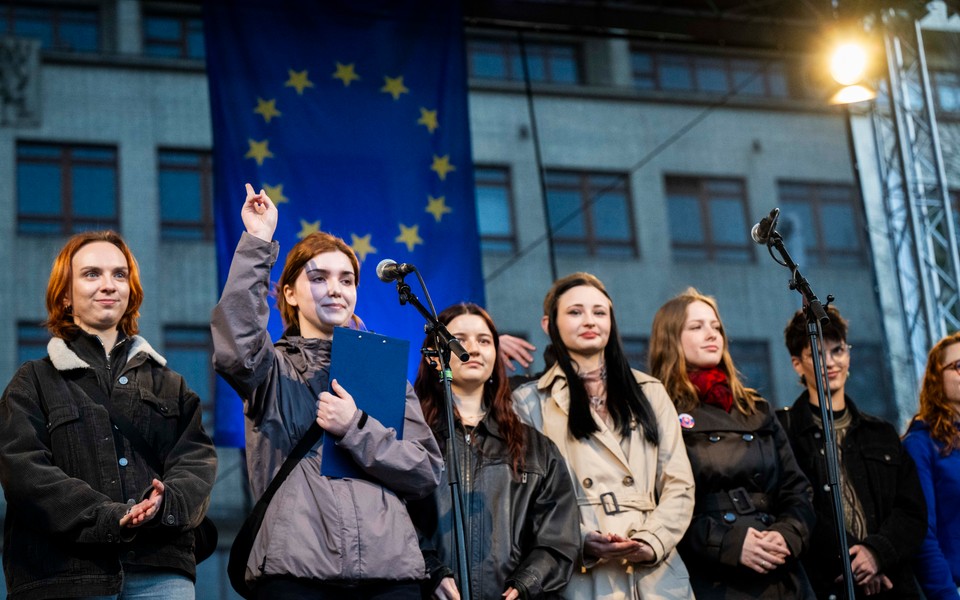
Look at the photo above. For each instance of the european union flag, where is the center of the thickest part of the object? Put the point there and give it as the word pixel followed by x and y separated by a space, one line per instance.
pixel 353 117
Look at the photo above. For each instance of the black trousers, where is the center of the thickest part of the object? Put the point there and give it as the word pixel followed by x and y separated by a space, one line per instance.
pixel 293 588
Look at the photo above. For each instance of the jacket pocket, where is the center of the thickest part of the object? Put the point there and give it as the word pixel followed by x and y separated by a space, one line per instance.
pixel 66 436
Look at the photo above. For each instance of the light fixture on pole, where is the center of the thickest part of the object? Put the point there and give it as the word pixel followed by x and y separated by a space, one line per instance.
pixel 849 66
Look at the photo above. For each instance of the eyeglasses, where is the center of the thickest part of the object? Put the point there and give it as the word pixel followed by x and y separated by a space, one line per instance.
pixel 955 366
pixel 839 352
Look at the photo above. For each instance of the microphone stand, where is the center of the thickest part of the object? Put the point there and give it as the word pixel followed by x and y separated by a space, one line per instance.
pixel 816 317
pixel 445 343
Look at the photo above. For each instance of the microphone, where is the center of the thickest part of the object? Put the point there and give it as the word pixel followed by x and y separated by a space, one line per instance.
pixel 388 270
pixel 760 232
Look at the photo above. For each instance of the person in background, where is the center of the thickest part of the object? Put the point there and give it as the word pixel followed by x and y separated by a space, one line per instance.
pixel 753 515
pixel 87 514
pixel 322 537
pixel 521 520
pixel 933 440
pixel 884 513
pixel 619 433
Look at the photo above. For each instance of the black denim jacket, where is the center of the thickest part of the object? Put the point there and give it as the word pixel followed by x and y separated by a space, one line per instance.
pixel 68 480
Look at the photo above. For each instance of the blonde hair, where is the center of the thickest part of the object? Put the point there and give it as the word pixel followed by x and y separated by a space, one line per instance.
pixel 667 361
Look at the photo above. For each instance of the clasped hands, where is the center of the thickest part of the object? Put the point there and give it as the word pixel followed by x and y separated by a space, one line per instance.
pixel 613 546
pixel 763 551
pixel 866 571
pixel 140 513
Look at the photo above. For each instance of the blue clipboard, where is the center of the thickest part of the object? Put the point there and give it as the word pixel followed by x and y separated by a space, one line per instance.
pixel 373 369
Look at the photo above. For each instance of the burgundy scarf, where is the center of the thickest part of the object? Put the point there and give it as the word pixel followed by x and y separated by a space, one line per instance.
pixel 713 387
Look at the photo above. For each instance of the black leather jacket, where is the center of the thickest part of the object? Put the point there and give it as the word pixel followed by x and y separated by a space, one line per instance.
pixel 885 480
pixel 521 532
pixel 66 489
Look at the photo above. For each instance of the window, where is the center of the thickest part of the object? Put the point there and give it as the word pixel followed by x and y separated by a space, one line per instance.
pixel 502 59
pixel 869 383
pixel 32 339
pixel 752 359
pixel 676 71
pixel 495 209
pixel 186 194
pixel 637 350
pixel 172 35
pixel 708 219
pixel 824 221
pixel 64 189
pixel 188 350
pixel 590 213
pixel 68 28
pixel 946 91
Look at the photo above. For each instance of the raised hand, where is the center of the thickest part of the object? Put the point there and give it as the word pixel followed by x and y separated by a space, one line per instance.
pixel 259 214
pixel 515 349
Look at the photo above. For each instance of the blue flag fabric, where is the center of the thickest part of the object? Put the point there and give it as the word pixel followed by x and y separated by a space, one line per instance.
pixel 352 116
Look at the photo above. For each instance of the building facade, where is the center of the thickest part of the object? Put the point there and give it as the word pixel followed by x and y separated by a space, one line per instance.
pixel 642 160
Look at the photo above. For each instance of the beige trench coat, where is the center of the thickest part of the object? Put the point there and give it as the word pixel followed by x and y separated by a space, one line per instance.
pixel 619 493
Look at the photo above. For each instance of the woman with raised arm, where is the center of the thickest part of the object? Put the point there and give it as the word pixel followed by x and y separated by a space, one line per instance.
pixel 754 513
pixel 933 440
pixel 104 462
pixel 521 518
pixel 321 537
pixel 619 433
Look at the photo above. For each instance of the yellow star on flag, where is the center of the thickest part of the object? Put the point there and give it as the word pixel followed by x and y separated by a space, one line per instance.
pixel 346 74
pixel 394 86
pixel 258 151
pixel 409 236
pixel 436 207
pixel 361 246
pixel 298 80
pixel 307 227
pixel 276 193
pixel 428 118
pixel 267 108
pixel 441 164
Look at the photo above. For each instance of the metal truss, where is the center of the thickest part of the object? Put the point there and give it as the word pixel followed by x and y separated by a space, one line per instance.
pixel 920 220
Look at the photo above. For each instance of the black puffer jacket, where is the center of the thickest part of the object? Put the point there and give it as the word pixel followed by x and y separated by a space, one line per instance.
pixel 885 480
pixel 65 486
pixel 746 476
pixel 522 532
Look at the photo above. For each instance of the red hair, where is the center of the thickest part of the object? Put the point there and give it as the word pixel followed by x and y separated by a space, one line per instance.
pixel 59 315
pixel 316 243
pixel 496 393
pixel 935 410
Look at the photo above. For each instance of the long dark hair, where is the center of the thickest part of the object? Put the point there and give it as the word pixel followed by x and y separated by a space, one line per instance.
pixel 496 392
pixel 625 399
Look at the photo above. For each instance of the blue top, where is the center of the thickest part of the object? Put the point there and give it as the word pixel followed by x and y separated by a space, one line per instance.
pixel 938 562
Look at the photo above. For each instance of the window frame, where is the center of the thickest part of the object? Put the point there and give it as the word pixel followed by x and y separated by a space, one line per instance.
pixel 587 194
pixel 207 405
pixel 509 51
pixel 8 13
pixel 507 181
pixel 184 14
pixel 711 248
pixel 820 252
pixel 67 220
pixel 205 170
pixel 691 61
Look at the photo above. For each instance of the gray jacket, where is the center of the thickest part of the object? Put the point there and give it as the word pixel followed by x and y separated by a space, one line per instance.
pixel 316 527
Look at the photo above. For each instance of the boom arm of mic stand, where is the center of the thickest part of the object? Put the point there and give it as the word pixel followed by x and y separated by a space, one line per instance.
pixel 816 318
pixel 445 343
